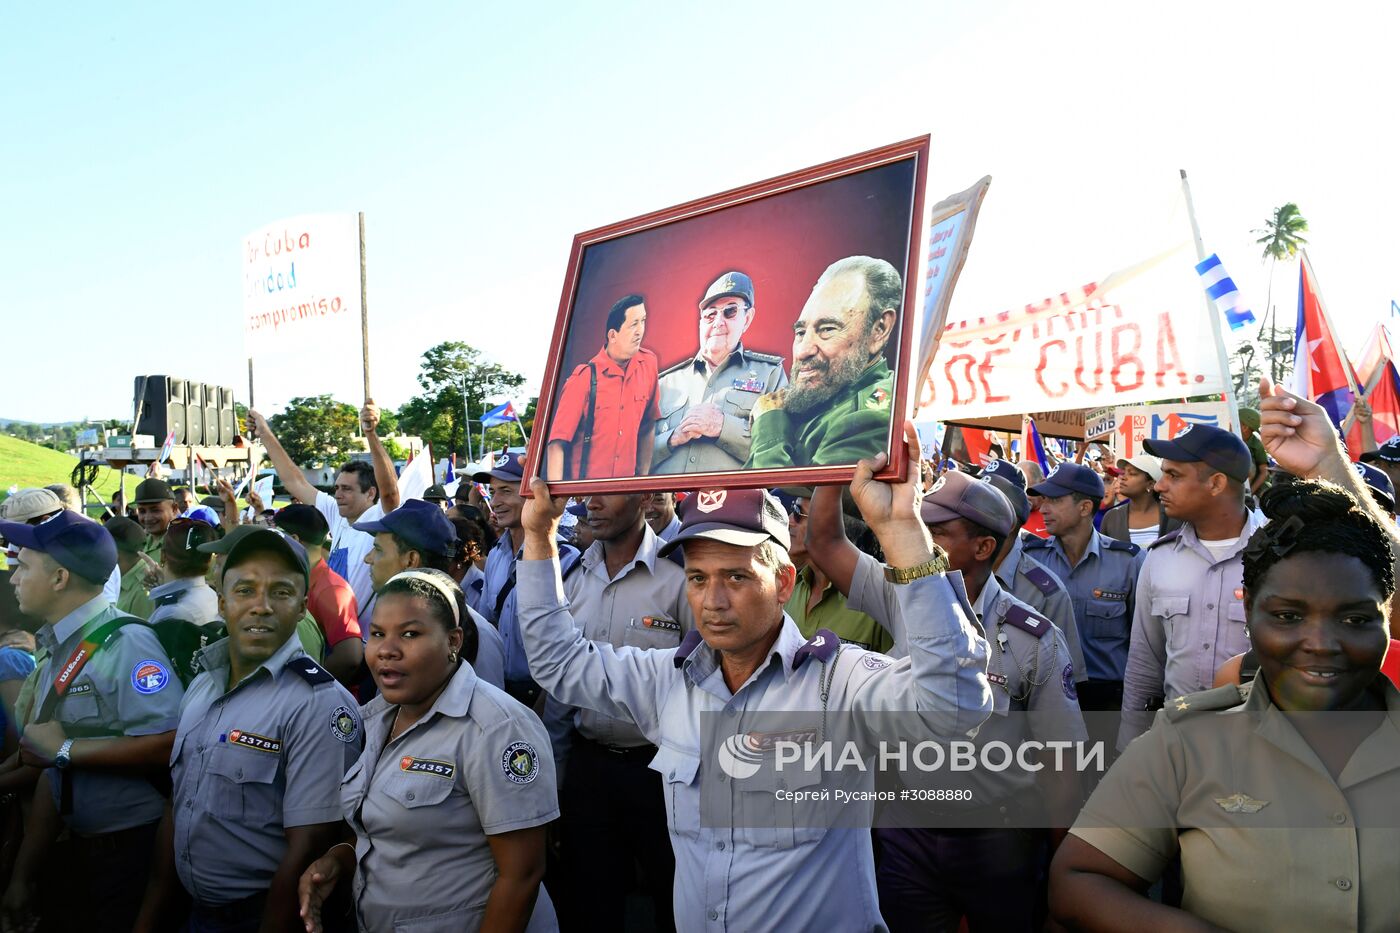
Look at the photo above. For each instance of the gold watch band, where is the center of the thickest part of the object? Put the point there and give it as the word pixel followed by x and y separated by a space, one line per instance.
pixel 936 564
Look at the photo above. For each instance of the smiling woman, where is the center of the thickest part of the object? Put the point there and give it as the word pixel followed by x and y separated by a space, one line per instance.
pixel 1278 796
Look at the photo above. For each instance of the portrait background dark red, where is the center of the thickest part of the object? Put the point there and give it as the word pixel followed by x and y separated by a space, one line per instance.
pixel 782 241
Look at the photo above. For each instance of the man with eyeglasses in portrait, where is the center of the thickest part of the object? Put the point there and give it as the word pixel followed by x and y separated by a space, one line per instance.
pixel 706 400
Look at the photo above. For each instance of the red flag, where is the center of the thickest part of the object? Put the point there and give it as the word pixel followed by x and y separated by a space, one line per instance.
pixel 1320 368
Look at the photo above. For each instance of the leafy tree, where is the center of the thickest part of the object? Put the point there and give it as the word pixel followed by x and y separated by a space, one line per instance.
pixel 1281 237
pixel 454 378
pixel 316 430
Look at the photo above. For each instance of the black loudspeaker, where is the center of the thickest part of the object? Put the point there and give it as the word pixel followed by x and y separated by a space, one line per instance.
pixel 163 408
pixel 194 417
pixel 228 424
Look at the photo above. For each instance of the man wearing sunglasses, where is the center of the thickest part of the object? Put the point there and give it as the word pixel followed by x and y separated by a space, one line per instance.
pixel 706 399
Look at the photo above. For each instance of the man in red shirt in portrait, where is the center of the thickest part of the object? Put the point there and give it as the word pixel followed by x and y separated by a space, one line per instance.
pixel 603 427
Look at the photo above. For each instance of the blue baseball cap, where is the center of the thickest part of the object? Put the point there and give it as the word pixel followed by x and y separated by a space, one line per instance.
pixel 1222 450
pixel 1014 492
pixel 1389 452
pixel 422 524
pixel 508 467
pixel 1071 477
pixel 77 544
pixel 1380 485
pixel 1007 471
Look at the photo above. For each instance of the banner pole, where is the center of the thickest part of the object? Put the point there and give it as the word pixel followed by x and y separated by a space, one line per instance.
pixel 467 425
pixel 1231 406
pixel 364 308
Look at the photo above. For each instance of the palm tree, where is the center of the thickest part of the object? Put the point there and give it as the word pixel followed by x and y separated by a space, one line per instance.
pixel 1282 235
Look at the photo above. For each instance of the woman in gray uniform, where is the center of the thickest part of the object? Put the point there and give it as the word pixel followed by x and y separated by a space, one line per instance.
pixel 449 801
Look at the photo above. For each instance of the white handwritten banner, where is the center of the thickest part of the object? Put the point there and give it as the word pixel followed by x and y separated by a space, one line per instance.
pixel 301 279
pixel 1140 335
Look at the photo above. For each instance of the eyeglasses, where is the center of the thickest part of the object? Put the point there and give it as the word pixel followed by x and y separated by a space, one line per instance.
pixel 730 312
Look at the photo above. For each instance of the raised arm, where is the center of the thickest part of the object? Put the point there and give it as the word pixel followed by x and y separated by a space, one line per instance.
pixel 384 475
pixel 620 682
pixel 827 544
pixel 292 477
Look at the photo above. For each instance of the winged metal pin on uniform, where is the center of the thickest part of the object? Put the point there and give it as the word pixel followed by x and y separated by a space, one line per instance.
pixel 1241 803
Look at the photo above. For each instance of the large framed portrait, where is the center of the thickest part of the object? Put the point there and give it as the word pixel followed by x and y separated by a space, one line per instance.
pixel 758 337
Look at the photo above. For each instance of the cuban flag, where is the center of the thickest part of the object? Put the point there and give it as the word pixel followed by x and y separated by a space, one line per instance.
pixel 450 476
pixel 1320 368
pixel 501 414
pixel 166 448
pixel 1035 445
pixel 1221 290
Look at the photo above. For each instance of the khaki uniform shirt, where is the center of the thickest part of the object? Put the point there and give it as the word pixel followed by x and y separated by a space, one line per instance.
pixel 477 764
pixel 851 426
pixel 734 387
pixel 833 614
pixel 1268 840
pixel 133 599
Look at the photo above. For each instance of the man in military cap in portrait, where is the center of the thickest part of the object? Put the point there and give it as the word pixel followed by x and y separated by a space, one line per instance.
pixel 706 400
pixel 837 409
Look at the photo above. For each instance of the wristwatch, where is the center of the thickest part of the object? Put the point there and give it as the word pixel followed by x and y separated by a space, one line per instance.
pixel 64 758
pixel 936 564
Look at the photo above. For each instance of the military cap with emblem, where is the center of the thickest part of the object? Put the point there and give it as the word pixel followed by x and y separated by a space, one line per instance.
pixel 1011 483
pixel 435 493
pixel 957 495
pixel 743 517
pixel 153 490
pixel 1200 443
pixel 729 285
pixel 1067 478
pixel 1382 489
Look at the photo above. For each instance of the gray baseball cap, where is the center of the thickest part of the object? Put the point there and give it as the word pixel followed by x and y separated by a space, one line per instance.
pixel 957 495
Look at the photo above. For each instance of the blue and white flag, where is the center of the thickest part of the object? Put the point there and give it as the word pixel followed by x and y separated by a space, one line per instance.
pixel 1221 290
pixel 501 414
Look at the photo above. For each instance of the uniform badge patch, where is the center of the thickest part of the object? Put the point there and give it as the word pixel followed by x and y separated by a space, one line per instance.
pixel 502 460
pixel 875 662
pixel 1239 593
pixel 1109 594
pixel 878 399
pixel 752 384
pixel 149 676
pixel 998 679
pixel 252 740
pixel 344 725
pixel 444 769
pixel 661 624
pixel 520 763
pixel 1067 683
pixel 78 690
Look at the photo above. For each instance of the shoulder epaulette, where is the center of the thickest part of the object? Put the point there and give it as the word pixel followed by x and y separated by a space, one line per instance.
pixel 689 643
pixel 169 599
pixel 762 357
pixel 821 646
pixel 1169 536
pixel 1226 697
pixel 309 671
pixel 1114 544
pixel 1036 543
pixel 1043 579
pixel 1027 620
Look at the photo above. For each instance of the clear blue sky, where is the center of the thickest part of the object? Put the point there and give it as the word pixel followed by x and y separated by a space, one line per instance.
pixel 142 141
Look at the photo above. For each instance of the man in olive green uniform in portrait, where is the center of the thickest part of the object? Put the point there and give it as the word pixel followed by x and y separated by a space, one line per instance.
pixel 837 409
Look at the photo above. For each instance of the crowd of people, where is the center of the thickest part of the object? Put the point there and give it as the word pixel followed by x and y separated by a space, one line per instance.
pixel 485 710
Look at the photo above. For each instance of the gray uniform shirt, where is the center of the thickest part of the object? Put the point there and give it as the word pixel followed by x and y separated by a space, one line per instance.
pixel 644 606
pixel 126 688
pixel 477 764
pixel 252 760
pixel 734 387
pixel 188 598
pixel 777 874
pixel 1033 584
pixel 1189 620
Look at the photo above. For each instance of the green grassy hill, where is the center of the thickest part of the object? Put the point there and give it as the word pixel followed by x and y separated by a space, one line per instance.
pixel 24 464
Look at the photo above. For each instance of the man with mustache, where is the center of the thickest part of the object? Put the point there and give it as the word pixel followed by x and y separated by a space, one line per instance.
pixel 603 426
pixel 707 400
pixel 837 409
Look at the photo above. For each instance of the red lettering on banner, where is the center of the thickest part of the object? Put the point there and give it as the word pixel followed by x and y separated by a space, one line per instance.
pixel 1123 358
pixel 967 378
pixel 1166 344
pixel 982 372
pixel 1097 361
pixel 1044 364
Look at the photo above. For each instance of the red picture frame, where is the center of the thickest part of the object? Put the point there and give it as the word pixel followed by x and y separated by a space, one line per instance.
pixel 777 235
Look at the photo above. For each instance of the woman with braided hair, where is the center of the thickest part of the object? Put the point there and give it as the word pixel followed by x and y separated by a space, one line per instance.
pixel 449 800
pixel 1276 795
